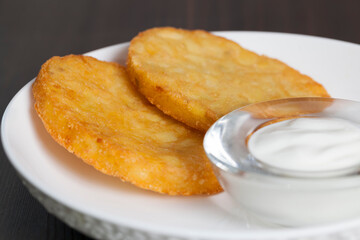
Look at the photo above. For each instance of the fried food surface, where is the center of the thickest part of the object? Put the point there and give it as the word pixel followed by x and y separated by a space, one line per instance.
pixel 197 77
pixel 91 108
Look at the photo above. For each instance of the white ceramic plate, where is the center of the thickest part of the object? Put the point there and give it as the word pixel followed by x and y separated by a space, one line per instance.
pixel 104 207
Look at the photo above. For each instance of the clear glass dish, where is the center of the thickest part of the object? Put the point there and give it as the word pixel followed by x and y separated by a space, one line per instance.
pixel 282 197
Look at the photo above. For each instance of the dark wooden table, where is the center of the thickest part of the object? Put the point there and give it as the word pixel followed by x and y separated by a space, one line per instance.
pixel 33 31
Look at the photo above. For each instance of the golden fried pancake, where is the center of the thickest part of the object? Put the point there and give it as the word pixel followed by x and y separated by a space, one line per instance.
pixel 197 77
pixel 91 108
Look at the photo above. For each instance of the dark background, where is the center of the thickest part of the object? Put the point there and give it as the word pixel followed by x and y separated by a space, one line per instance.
pixel 33 31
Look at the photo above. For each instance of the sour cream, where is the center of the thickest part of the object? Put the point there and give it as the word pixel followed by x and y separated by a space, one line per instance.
pixel 308 145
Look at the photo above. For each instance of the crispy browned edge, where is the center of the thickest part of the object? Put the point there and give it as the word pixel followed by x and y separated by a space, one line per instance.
pixel 38 94
pixel 164 100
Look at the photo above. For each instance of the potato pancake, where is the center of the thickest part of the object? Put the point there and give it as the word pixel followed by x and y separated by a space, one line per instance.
pixel 92 109
pixel 197 77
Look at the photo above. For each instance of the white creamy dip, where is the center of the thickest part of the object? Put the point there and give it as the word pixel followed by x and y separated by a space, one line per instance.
pixel 308 144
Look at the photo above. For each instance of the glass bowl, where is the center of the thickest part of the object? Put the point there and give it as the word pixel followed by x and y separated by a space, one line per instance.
pixel 288 198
